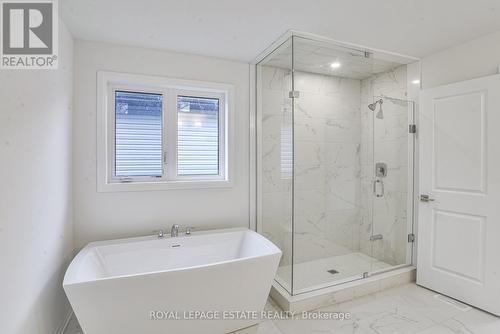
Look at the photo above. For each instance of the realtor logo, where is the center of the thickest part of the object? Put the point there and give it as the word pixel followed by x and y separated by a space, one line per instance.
pixel 29 34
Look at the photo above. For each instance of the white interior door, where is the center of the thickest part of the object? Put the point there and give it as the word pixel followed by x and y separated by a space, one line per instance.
pixel 459 225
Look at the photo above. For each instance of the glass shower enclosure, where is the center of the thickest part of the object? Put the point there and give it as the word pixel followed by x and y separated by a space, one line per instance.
pixel 335 153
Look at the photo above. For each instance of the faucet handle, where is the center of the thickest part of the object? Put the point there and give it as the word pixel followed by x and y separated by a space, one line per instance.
pixel 189 229
pixel 160 233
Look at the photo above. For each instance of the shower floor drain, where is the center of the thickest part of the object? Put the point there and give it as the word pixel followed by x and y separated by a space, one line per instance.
pixel 333 271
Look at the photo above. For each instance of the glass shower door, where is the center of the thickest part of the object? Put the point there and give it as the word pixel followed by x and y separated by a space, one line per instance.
pixel 392 216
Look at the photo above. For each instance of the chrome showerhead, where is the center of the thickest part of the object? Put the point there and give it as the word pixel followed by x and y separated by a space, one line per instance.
pixel 372 106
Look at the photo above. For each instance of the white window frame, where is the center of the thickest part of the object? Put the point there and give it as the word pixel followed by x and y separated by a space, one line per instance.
pixel 110 82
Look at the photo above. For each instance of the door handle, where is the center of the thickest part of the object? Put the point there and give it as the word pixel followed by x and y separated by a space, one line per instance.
pixel 426 198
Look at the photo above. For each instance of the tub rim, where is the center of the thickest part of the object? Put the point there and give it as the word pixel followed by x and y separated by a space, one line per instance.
pixel 70 279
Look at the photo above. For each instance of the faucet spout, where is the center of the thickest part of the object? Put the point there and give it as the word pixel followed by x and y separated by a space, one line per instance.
pixel 174 231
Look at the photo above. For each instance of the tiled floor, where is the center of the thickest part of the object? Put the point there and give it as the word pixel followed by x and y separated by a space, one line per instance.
pixel 404 310
pixel 314 274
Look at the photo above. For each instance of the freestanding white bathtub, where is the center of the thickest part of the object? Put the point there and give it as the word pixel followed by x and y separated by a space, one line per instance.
pixel 150 286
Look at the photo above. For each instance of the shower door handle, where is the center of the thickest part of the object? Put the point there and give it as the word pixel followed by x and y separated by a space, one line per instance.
pixel 381 194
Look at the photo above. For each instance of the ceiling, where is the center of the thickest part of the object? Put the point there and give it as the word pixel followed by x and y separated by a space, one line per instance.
pixel 241 29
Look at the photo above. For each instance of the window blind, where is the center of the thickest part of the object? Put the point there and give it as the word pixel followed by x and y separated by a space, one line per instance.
pixel 197 136
pixel 138 134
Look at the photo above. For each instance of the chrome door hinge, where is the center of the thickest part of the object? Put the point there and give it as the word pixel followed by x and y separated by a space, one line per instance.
pixel 294 94
pixel 411 237
pixel 412 128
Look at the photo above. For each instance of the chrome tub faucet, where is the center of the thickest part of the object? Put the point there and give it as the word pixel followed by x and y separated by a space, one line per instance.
pixel 174 231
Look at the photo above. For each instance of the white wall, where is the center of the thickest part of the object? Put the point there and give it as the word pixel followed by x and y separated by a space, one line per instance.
pixel 101 216
pixel 479 57
pixel 36 229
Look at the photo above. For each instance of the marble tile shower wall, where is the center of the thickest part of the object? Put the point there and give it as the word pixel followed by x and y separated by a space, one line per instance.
pixel 327 146
pixel 327 164
pixel 385 140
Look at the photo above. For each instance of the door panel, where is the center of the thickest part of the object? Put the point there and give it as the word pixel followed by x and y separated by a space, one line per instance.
pixel 459 132
pixel 459 171
pixel 451 254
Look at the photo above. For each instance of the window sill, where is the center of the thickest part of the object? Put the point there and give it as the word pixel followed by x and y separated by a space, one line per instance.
pixel 163 186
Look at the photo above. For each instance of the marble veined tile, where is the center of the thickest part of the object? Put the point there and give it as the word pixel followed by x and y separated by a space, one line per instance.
pixel 391 128
pixel 473 321
pixel 265 327
pixel 405 309
pixel 274 78
pixel 369 314
pixel 275 102
pixel 311 105
pixel 423 301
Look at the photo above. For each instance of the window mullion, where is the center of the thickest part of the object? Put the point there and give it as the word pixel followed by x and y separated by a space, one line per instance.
pixel 165 122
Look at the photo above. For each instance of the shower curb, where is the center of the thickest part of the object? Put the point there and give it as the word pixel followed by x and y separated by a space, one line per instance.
pixel 343 292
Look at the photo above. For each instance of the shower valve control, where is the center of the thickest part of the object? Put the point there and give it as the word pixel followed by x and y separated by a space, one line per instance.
pixel 380 169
